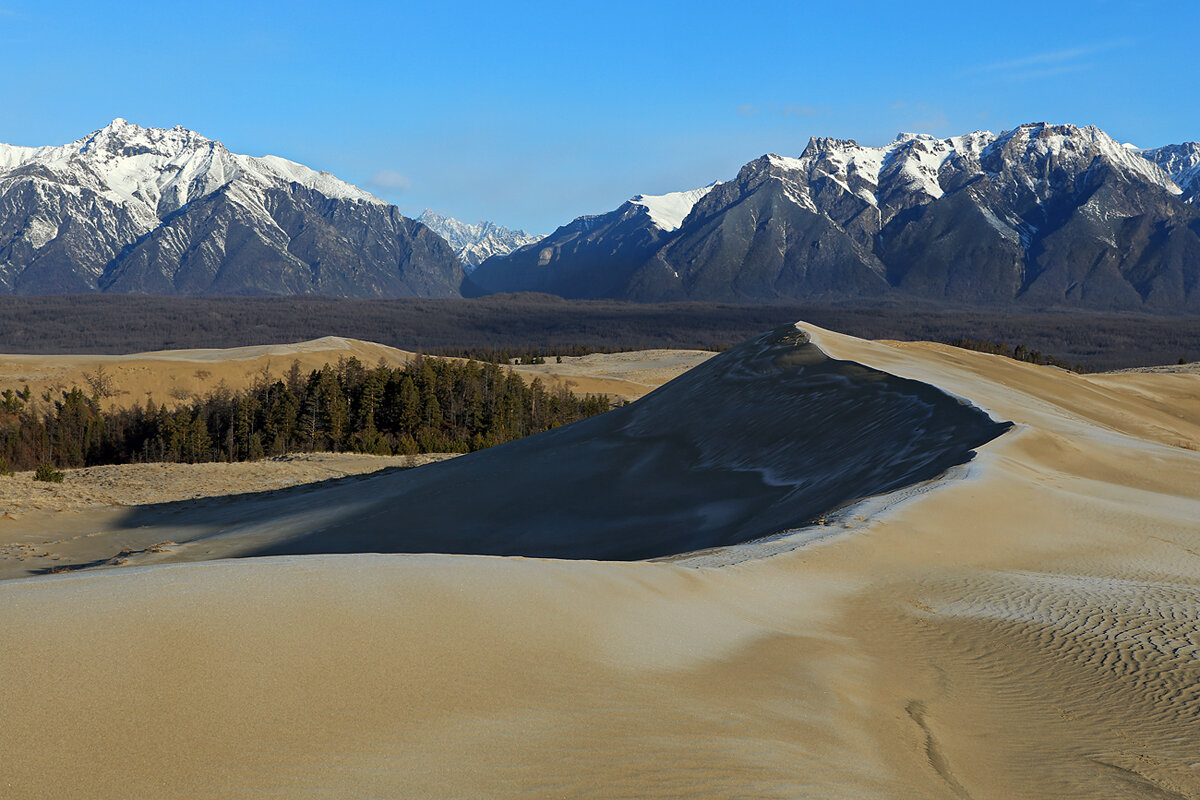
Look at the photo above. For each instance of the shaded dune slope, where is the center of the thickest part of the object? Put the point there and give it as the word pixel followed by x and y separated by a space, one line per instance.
pixel 763 438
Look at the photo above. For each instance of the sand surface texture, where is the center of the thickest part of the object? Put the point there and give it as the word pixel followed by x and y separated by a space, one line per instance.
pixel 174 377
pixel 625 375
pixel 1026 627
pixel 52 526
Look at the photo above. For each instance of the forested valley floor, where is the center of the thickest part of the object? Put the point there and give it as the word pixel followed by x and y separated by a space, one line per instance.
pixel 542 323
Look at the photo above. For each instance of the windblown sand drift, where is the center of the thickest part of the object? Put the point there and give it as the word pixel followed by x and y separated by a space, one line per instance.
pixel 759 440
pixel 1029 629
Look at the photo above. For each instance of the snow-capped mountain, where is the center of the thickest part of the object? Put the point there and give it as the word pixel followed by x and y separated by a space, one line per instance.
pixel 1182 163
pixel 592 256
pixel 151 210
pixel 1042 214
pixel 475 243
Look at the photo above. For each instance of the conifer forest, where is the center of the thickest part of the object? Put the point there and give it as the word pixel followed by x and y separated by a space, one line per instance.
pixel 428 405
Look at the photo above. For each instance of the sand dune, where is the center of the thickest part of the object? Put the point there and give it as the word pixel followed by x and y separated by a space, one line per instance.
pixel 758 441
pixel 175 376
pixel 1026 626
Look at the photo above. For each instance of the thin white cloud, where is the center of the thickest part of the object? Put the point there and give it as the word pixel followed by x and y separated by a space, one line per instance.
pixel 796 110
pixel 1050 72
pixel 1051 62
pixel 1038 59
pixel 390 180
pixel 746 109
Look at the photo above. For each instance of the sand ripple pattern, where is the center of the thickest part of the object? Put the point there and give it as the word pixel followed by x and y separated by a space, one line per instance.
pixel 1057 655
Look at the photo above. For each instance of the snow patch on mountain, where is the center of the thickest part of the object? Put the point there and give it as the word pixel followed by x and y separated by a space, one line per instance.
pixel 668 211
pixel 474 244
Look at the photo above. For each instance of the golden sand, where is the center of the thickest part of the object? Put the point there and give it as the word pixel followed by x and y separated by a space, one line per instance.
pixel 1028 627
pixel 175 377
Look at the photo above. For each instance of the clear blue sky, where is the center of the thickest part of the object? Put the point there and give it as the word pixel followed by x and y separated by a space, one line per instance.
pixel 530 115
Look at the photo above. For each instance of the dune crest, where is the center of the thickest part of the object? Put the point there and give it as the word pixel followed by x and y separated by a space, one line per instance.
pixel 1026 631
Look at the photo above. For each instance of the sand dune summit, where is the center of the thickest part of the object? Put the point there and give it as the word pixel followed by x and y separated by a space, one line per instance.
pixel 1018 624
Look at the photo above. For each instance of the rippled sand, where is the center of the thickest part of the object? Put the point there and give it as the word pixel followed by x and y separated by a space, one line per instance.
pixel 1025 628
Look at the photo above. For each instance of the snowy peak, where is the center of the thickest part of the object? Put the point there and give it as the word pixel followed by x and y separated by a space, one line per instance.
pixel 121 138
pixel 155 171
pixel 169 211
pixel 917 168
pixel 1181 162
pixel 1175 159
pixel 1038 153
pixel 668 211
pixel 912 162
pixel 476 243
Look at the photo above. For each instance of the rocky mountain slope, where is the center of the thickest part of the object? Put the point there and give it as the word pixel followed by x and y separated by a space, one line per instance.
pixel 1039 216
pixel 1042 215
pixel 1182 163
pixel 473 244
pixel 149 210
pixel 592 256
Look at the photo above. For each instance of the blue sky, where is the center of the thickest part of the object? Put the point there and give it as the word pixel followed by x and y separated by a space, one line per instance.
pixel 530 115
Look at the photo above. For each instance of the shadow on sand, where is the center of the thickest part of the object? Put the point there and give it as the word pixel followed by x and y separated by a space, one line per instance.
pixel 763 438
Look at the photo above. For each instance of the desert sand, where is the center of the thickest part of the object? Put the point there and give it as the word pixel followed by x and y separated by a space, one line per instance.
pixel 1025 626
pixel 174 377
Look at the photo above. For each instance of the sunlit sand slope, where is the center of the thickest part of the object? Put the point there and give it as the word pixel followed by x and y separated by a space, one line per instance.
pixel 1025 628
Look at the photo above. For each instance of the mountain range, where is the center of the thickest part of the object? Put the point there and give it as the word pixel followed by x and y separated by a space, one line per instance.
pixel 1042 215
pixel 156 211
pixel 473 244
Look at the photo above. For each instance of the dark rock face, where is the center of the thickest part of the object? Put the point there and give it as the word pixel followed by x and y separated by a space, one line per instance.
pixel 591 257
pixel 1043 215
pixel 306 243
pixel 751 242
pixel 57 241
